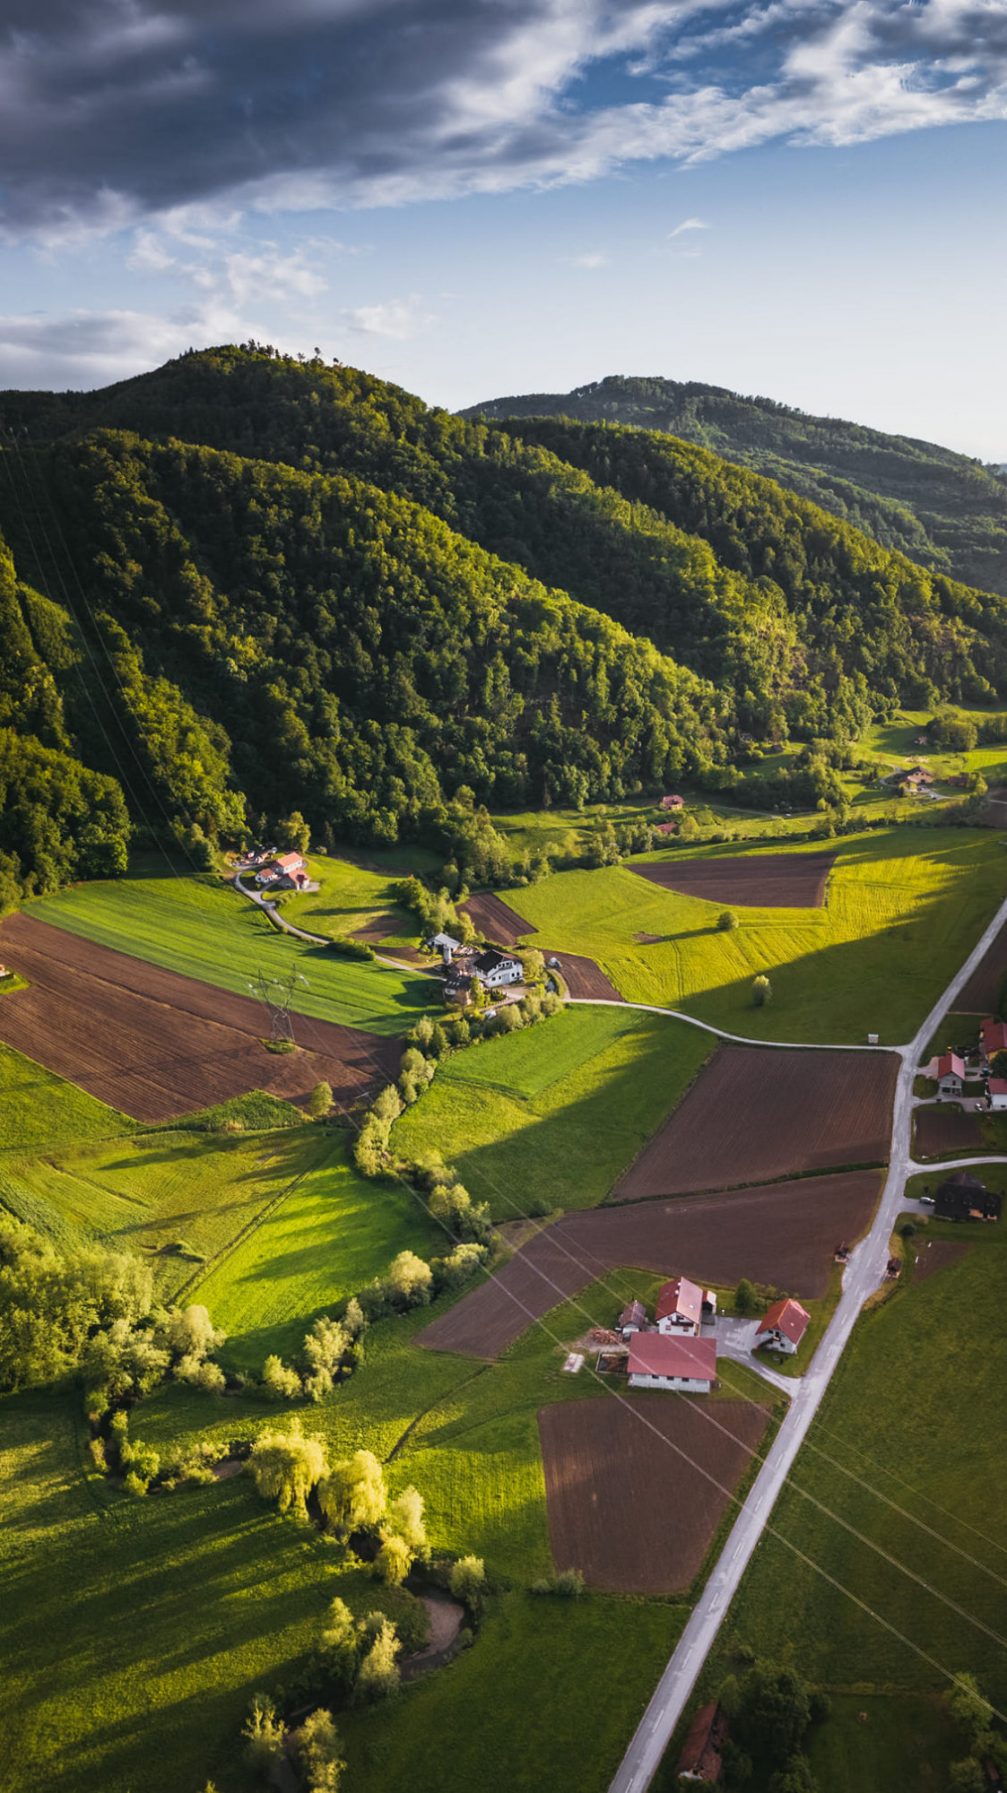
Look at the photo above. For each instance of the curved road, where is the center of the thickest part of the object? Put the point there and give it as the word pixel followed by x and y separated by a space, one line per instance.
pixel 863 1275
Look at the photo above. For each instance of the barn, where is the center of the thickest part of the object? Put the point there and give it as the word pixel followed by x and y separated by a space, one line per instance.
pixel 661 1360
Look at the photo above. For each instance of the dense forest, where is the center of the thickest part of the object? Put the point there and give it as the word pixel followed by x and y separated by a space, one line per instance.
pixel 940 508
pixel 246 583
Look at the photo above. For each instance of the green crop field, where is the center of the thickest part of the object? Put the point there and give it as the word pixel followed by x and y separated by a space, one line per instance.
pixel 39 1111
pixel 348 897
pixel 903 907
pixel 551 1116
pixel 194 926
pixel 914 1413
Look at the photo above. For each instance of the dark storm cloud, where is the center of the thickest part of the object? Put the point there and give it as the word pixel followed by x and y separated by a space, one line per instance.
pixel 120 108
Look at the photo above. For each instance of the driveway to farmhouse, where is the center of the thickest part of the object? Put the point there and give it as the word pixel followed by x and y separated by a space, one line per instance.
pixel 864 1273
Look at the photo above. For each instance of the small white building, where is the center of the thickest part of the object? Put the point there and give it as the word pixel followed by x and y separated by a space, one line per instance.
pixel 679 1306
pixel 996 1089
pixel 495 970
pixel 950 1074
pixel 783 1327
pixel 446 945
pixel 662 1360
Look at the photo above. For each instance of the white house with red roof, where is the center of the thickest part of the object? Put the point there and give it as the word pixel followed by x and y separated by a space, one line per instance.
pixel 288 869
pixel 679 1306
pixel 783 1326
pixel 992 1036
pixel 950 1074
pixel 996 1089
pixel 666 1360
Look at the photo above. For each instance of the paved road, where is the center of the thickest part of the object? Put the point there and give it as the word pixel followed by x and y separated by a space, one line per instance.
pixel 736 1039
pixel 863 1275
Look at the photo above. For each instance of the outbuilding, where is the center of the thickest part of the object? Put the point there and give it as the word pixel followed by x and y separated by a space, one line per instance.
pixel 992 1036
pixel 661 1360
pixel 700 1759
pixel 632 1319
pixel 783 1327
pixel 996 1089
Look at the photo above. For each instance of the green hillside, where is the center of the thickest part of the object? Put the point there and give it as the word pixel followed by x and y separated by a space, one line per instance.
pixel 943 509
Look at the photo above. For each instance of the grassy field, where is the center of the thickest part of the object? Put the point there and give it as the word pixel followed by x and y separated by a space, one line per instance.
pixel 553 1115
pixel 903 907
pixel 41 1112
pixel 195 926
pixel 914 1413
pixel 348 897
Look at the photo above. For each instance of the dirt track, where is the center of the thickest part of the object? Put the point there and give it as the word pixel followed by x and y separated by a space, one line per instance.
pixel 941 1132
pixel 156 1044
pixel 783 1234
pixel 637 1515
pixel 754 1114
pixel 766 881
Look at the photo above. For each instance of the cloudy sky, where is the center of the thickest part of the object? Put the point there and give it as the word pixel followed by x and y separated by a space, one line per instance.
pixel 803 198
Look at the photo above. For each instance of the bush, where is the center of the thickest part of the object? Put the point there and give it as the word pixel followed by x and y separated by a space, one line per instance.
pixel 467 1579
pixel 727 921
pixel 351 949
pixel 263 1733
pixel 746 1299
pixel 279 1380
pixel 762 991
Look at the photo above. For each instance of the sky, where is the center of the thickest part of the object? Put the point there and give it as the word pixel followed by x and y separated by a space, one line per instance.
pixel 803 199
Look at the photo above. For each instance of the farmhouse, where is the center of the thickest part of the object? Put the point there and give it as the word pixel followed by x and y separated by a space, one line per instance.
pixel 950 1074
pixel 996 1090
pixel 632 1319
pixel 666 828
pixel 286 871
pixel 783 1327
pixel 963 1197
pixel 672 801
pixel 495 970
pixel 679 1306
pixel 660 1360
pixel 700 1758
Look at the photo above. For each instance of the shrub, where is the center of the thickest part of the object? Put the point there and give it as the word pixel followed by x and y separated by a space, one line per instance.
pixel 263 1733
pixel 320 1101
pixel 280 1380
pixel 394 1560
pixel 762 991
pixel 353 1494
pixel 467 1579
pixel 286 1466
pixel 727 921
pixel 378 1675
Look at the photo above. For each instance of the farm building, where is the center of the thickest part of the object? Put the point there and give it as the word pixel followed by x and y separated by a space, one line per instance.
pixel 633 1318
pixel 287 870
pixel 950 1074
pixel 446 945
pixel 709 1304
pixel 992 1036
pixel 700 1758
pixel 458 985
pixel 660 1360
pixel 783 1327
pixel 679 1306
pixel 963 1197
pixel 672 801
pixel 996 1090
pixel 666 828
pixel 495 970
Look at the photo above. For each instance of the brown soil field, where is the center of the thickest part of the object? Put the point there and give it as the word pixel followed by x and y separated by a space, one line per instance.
pixel 936 1254
pixel 157 1045
pixel 636 1515
pixel 981 994
pixel 941 1132
pixel 766 881
pixel 783 1235
pixel 495 919
pixel 754 1114
pixel 583 977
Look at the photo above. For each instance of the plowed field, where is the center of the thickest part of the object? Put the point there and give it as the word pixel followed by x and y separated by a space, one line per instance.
pixel 635 1514
pixel 783 1234
pixel 941 1132
pixel 155 1044
pixel 583 977
pixel 764 881
pixel 754 1114
pixel 496 920
pixel 982 993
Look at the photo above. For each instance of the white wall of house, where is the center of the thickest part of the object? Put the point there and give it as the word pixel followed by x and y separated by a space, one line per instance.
pixel 677 1324
pixel 998 1101
pixel 686 1385
pixel 779 1342
pixel 510 973
pixel 950 1085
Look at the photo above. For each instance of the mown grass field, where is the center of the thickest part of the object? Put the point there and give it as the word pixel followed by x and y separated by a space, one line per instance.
pixel 915 1414
pixel 349 896
pixel 39 1111
pixel 551 1116
pixel 197 927
pixel 903 908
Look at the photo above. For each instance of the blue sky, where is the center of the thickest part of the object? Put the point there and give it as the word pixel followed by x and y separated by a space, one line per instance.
pixel 801 198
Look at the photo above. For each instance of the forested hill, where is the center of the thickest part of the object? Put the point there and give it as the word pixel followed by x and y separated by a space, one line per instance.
pixel 940 508
pixel 247 584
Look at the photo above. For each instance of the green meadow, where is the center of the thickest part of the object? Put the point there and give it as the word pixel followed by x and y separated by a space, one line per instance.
pixel 195 926
pixel 903 906
pixel 39 1111
pixel 348 897
pixel 550 1117
pixel 907 1451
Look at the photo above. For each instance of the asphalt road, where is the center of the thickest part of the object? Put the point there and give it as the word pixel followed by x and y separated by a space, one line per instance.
pixel 864 1273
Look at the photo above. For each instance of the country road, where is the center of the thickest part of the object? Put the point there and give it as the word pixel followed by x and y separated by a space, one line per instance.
pixel 863 1275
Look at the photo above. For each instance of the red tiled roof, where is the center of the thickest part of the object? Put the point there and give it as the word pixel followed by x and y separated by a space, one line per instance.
pixel 662 1354
pixel 680 1296
pixel 997 1086
pixel 701 1756
pixel 672 801
pixel 788 1317
pixel 994 1035
pixel 289 862
pixel 632 1313
pixel 949 1063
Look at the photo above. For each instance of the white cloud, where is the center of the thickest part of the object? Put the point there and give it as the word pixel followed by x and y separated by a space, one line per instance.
pixel 594 258
pixel 397 319
pixel 687 224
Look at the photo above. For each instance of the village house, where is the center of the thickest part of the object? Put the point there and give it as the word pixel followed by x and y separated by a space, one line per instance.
pixel 661 1360
pixel 963 1197
pixel 700 1759
pixel 679 1306
pixel 495 970
pixel 996 1090
pixel 783 1327
pixel 672 801
pixel 992 1037
pixel 288 871
pixel 632 1319
pixel 950 1074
